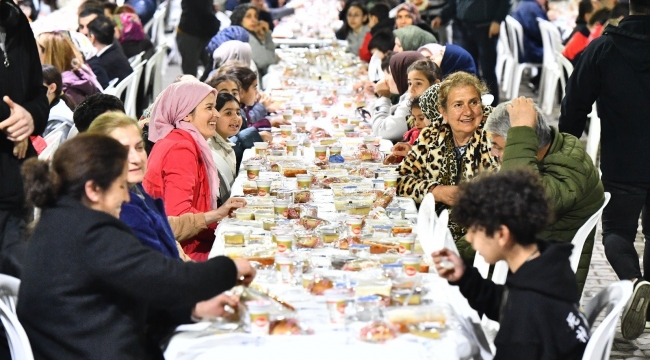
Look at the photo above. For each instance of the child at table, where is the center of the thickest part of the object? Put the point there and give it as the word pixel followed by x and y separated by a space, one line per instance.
pixel 537 307
pixel 420 121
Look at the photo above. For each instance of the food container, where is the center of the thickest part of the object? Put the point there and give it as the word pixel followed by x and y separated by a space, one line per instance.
pixel 411 264
pixel 285 242
pixel 309 211
pixel 301 196
pixel 262 214
pixel 395 213
pixel 423 320
pixel 292 147
pixel 285 194
pixel 406 243
pixel 348 129
pixel 335 150
pixel 359 209
pixel 263 187
pixel 252 171
pixel 285 130
pixel 304 181
pixel 327 141
pixel 301 126
pixel 337 302
pixel 280 208
pixel 329 234
pixel 402 227
pixel 260 148
pixel 306 239
pixel 355 121
pixel 245 214
pixel 368 307
pixel 359 250
pixel 343 120
pixel 250 188
pixel 377 332
pixel 321 152
pixel 284 267
pixel 287 114
pixel 390 180
pixel 258 312
pixel 292 171
pixel 234 238
pixel 354 225
pixel 392 270
pixel 267 224
pixel 308 107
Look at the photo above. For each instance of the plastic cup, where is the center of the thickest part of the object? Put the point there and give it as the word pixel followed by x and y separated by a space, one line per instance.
pixel 245 214
pixel 369 140
pixel 354 224
pixel 285 242
pixel 252 171
pixel 406 243
pixel 348 129
pixel 308 107
pixel 304 181
pixel 285 130
pixel 390 181
pixel 258 312
pixel 337 301
pixel 287 114
pixel 292 147
pixel 280 207
pixel 284 266
pixel 411 265
pixel 347 104
pixel 263 187
pixel 261 147
pixel 335 150
pixel 343 120
pixel 321 152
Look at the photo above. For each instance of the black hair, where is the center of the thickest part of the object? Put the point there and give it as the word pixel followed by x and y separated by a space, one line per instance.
pixel 383 41
pixel 380 11
pixel 342 33
pixel 52 75
pixel 91 8
pixel 103 28
pixel 599 16
pixel 93 106
pixel 640 7
pixel 620 10
pixel 385 62
pixel 245 75
pixel 238 14
pixel 87 157
pixel 223 98
pixel 415 102
pixel 515 199
pixel 215 80
pixel 427 67
pixel 585 7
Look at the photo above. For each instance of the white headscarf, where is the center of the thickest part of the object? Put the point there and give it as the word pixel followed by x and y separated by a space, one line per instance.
pixel 232 50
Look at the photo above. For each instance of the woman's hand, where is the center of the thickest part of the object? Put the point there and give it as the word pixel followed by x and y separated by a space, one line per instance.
pixel 215 307
pixel 445 194
pixel 401 149
pixel 448 264
pixel 224 210
pixel 245 272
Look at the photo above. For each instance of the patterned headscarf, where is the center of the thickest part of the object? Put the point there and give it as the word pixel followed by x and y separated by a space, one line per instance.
pixel 415 14
pixel 412 37
pixel 129 27
pixel 234 32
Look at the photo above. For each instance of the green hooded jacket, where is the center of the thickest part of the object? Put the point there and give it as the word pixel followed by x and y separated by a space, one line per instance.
pixel 572 185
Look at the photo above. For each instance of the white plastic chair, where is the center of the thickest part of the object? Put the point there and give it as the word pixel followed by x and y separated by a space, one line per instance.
pixel 611 299
pixel 593 138
pixel 18 342
pixel 130 85
pixel 9 287
pixel 158 25
pixel 516 38
pixel 504 59
pixel 153 70
pixel 584 231
pixel 136 60
pixel 552 72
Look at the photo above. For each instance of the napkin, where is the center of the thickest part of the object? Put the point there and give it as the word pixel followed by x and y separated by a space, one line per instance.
pixel 427 219
pixel 442 235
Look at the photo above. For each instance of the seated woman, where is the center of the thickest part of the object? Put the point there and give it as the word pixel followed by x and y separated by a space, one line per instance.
pixel 504 213
pixel 411 38
pixel 130 33
pixel 88 285
pixel 233 50
pixel 232 32
pixel 181 170
pixel 409 74
pixel 60 119
pixel 260 40
pixel 222 149
pixel 355 26
pixel 451 151
pixel 56 49
pixel 407 14
pixel 450 58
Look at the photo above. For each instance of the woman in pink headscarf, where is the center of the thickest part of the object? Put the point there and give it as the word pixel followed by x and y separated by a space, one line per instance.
pixel 181 170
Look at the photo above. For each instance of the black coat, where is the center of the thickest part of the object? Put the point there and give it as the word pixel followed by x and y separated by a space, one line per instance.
pixel 533 307
pixel 198 19
pixel 89 286
pixel 614 71
pixel 114 62
pixel 22 81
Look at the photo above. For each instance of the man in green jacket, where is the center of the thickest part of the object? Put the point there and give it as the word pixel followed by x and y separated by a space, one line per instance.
pixel 520 138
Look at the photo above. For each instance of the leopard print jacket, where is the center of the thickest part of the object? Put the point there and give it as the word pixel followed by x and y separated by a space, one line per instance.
pixel 432 159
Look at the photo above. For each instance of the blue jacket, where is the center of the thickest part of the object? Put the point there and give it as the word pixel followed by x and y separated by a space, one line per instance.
pixel 148 221
pixel 527 13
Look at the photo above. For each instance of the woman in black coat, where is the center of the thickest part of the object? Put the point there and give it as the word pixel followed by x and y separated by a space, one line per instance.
pixel 90 287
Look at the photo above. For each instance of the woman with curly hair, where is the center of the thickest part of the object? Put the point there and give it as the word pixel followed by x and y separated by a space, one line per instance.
pixel 453 149
pixel 537 309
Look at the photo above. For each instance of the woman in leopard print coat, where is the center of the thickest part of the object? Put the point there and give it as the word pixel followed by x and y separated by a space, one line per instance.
pixel 453 149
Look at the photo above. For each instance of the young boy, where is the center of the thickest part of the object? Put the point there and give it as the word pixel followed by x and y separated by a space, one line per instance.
pixel 378 19
pixel 537 307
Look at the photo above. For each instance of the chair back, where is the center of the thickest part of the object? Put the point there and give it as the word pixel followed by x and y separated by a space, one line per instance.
pixel 515 37
pixel 132 89
pixel 19 346
pixel 593 138
pixel 158 24
pixel 612 299
pixel 9 287
pixel 136 59
pixel 153 70
pixel 584 231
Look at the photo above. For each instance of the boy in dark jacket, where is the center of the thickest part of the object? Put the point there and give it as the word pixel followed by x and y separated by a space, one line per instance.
pixel 537 308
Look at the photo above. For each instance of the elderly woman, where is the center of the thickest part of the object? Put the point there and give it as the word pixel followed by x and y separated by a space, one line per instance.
pixel 411 38
pixel 409 75
pixel 522 138
pixel 453 149
pixel 181 169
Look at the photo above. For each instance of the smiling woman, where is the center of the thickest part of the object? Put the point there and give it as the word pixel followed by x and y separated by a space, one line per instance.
pixel 453 149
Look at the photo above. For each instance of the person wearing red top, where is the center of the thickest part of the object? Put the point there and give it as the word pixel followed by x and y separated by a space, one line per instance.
pixel 181 169
pixel 378 19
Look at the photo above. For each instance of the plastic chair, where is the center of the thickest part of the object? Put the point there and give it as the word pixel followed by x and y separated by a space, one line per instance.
pixel 130 85
pixel 611 299
pixel 9 287
pixel 552 72
pixel 499 275
pixel 504 59
pixel 136 59
pixel 158 25
pixel 153 70
pixel 584 231
pixel 593 138
pixel 18 342
pixel 516 39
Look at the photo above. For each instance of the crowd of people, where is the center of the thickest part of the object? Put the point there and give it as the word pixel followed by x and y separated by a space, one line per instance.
pixel 147 195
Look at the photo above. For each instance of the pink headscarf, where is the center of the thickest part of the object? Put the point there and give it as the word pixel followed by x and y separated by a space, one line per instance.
pixel 170 108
